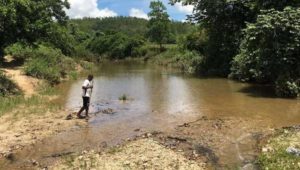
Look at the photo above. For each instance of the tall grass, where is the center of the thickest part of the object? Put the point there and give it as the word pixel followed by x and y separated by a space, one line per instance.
pixel 21 105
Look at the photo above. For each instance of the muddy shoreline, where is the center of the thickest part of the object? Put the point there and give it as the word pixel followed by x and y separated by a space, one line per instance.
pixel 205 141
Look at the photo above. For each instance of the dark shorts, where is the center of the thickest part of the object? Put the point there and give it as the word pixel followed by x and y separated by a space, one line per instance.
pixel 86 102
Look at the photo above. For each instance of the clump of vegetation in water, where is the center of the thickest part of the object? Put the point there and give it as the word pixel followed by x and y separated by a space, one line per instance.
pixel 124 97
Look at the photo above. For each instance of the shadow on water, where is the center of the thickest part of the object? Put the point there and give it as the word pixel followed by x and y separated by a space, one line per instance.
pixel 265 91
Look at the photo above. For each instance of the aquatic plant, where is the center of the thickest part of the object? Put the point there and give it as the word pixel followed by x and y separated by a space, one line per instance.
pixel 124 97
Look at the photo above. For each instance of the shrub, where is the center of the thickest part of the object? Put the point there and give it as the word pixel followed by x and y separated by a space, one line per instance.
pixel 270 51
pixel 7 87
pixel 188 61
pixel 115 45
pixel 18 51
pixel 48 63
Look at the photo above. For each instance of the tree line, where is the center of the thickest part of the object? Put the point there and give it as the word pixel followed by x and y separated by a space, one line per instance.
pixel 247 40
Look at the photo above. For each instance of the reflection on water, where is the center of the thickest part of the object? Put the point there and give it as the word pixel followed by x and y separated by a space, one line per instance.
pixel 156 92
pixel 160 100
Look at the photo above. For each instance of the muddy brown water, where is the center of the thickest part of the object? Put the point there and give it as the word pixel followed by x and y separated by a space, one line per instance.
pixel 159 100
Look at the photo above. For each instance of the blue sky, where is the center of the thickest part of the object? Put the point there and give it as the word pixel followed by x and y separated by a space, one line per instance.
pixel 136 8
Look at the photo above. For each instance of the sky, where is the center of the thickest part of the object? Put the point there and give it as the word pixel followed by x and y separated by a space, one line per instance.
pixel 133 8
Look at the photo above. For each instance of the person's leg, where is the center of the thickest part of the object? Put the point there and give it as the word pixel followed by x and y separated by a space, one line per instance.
pixel 87 107
pixel 82 108
pixel 80 111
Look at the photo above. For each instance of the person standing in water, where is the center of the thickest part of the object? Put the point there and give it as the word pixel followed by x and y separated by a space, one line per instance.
pixel 87 89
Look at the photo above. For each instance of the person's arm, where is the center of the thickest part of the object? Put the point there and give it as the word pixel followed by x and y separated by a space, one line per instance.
pixel 87 85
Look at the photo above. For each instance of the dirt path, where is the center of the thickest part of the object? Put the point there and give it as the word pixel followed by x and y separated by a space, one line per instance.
pixel 26 83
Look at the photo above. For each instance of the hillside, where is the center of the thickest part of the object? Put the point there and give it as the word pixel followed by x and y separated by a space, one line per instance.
pixel 127 25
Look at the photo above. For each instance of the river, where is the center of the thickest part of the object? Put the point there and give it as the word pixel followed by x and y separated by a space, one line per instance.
pixel 159 100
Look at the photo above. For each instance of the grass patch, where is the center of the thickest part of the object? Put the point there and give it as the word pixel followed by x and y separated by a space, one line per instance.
pixel 114 150
pixel 73 75
pixel 277 157
pixel 19 105
pixel 47 90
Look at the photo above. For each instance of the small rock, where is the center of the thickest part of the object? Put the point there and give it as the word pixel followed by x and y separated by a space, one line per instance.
pixel 148 135
pixel 9 156
pixel 17 135
pixel 69 117
pixel 137 130
pixel 293 151
pixel 248 166
pixel 34 162
pixel 267 149
pixel 127 163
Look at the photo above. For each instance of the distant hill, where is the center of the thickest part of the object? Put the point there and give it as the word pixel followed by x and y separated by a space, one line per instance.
pixel 127 25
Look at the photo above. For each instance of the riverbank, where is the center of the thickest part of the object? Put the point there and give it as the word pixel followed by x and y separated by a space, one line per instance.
pixel 32 116
pixel 202 144
pixel 138 154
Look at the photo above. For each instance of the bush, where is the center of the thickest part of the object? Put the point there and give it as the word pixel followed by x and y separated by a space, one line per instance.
pixel 7 87
pixel 270 51
pixel 18 51
pixel 115 45
pixel 47 63
pixel 188 61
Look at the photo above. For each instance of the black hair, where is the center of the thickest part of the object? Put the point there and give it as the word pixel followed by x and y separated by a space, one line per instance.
pixel 90 76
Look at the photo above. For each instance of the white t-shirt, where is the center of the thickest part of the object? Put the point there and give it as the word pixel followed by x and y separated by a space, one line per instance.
pixel 87 92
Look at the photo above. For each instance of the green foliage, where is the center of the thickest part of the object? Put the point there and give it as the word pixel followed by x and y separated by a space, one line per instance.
pixel 18 50
pixel 28 20
pixel 48 63
pixel 187 61
pixel 7 87
pixel 115 45
pixel 270 51
pixel 127 25
pixel 159 24
pixel 196 40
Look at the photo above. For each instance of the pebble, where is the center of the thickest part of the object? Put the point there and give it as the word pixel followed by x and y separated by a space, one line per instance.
pixel 293 151
pixel 267 149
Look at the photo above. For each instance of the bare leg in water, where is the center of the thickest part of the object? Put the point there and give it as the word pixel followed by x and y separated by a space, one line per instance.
pixel 86 103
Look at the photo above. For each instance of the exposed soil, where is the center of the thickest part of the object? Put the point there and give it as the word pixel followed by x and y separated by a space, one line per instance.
pixel 17 134
pixel 27 84
pixel 202 144
pixel 213 140
pixel 139 154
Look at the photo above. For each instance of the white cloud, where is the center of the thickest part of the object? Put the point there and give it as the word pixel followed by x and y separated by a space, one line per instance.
pixel 88 8
pixel 187 9
pixel 138 13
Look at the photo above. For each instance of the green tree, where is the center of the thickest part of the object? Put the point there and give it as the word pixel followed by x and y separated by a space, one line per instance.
pixel 159 24
pixel 270 51
pixel 224 21
pixel 29 20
